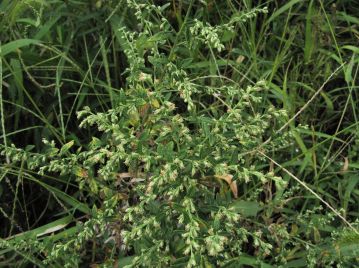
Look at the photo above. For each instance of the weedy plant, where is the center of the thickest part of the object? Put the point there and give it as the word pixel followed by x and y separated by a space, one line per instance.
pixel 170 161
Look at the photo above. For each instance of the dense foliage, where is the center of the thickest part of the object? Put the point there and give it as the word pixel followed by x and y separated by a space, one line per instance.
pixel 179 133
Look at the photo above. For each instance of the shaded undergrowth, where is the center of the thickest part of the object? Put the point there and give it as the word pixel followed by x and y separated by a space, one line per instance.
pixel 179 133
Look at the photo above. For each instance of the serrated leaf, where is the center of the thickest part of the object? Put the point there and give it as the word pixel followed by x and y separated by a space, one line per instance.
pixel 155 103
pixel 66 147
pixel 134 116
pixel 95 142
pixel 80 172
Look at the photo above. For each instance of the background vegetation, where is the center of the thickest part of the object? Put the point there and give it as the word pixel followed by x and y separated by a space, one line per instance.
pixel 179 133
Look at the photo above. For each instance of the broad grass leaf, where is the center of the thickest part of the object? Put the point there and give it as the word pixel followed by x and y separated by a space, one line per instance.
pixel 248 261
pixel 283 9
pixel 347 18
pixel 352 182
pixel 348 70
pixel 45 229
pixel 352 48
pixel 14 45
pixel 309 34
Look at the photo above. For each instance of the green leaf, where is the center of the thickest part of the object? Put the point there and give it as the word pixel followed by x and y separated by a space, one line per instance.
pixel 123 261
pixel 352 182
pixel 74 203
pixel 351 48
pixel 345 17
pixel 43 230
pixel 66 147
pixel 348 70
pixel 95 143
pixel 283 9
pixel 245 259
pixel 246 208
pixel 309 42
pixel 165 150
pixel 346 245
pixel 134 117
pixel 302 262
pixel 14 45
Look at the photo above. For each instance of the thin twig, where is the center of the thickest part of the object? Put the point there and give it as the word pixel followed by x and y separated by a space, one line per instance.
pixel 311 99
pixel 299 112
pixel 311 191
pixel 2 109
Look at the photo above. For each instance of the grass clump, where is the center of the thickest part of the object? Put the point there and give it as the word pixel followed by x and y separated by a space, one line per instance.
pixel 178 134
